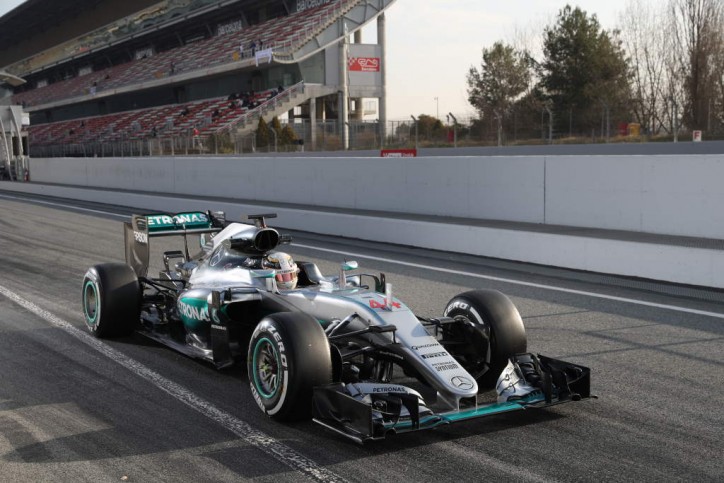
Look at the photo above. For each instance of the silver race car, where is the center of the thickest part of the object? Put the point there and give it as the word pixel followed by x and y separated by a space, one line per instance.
pixel 340 349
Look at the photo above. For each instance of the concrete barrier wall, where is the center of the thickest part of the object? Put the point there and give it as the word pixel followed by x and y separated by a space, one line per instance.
pixel 679 264
pixel 472 187
pixel 677 195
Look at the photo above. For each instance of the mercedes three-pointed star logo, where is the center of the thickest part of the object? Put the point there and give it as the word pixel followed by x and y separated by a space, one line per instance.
pixel 461 382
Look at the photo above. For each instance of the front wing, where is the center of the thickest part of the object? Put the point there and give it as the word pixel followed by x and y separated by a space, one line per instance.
pixel 382 414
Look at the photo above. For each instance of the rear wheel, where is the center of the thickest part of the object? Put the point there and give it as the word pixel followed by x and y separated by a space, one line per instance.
pixel 111 300
pixel 288 356
pixel 489 333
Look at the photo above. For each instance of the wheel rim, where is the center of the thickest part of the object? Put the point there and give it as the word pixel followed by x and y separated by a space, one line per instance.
pixel 266 366
pixel 475 365
pixel 91 303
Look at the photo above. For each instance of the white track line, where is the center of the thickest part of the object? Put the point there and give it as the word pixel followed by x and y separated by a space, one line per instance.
pixel 284 454
pixel 52 203
pixel 518 282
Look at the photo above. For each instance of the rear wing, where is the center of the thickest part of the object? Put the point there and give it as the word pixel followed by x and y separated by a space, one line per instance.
pixel 142 227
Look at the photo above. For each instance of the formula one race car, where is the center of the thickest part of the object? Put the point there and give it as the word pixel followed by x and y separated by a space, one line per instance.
pixel 341 349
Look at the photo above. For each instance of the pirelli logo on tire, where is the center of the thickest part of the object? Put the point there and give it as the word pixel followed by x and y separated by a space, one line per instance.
pixel 457 304
pixel 267 335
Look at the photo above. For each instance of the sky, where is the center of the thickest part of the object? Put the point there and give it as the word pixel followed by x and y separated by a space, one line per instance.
pixel 431 45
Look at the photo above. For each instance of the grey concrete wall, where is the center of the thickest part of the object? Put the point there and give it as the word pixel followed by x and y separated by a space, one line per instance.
pixel 670 263
pixel 500 188
pixel 675 195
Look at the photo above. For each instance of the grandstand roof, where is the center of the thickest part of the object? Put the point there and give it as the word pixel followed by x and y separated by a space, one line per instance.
pixel 11 79
pixel 57 21
pixel 38 15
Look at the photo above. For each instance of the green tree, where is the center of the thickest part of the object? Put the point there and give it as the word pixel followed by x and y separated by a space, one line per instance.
pixel 262 134
pixel 584 70
pixel 277 126
pixel 429 126
pixel 504 76
pixel 287 136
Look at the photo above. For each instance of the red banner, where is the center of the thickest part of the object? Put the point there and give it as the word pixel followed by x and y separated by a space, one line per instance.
pixel 364 64
pixel 398 153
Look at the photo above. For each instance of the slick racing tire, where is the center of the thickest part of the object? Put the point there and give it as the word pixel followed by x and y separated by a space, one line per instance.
pixel 111 300
pixel 491 313
pixel 288 356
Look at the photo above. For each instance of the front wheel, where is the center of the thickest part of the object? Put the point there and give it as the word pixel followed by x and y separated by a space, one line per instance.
pixel 288 356
pixel 489 332
pixel 111 300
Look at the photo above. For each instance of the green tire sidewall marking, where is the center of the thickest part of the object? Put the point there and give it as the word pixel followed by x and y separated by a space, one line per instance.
pixel 255 364
pixel 91 321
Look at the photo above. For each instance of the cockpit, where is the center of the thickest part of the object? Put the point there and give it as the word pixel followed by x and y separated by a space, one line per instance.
pixel 226 258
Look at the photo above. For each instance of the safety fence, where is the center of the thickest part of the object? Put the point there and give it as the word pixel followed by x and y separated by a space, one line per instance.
pixel 330 135
pixel 292 137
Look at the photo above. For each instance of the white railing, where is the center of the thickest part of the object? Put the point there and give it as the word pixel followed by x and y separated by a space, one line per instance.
pixel 270 104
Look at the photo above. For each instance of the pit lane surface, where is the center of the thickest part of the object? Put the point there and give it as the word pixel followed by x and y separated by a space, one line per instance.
pixel 71 410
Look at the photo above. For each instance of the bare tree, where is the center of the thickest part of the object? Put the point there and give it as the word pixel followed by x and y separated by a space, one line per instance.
pixel 697 33
pixel 715 107
pixel 645 42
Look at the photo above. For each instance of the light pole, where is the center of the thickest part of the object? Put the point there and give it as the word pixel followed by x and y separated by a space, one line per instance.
pixel 675 119
pixel 273 131
pixel 415 120
pixel 455 129
pixel 437 104
pixel 550 123
pixel 607 113
pixel 499 117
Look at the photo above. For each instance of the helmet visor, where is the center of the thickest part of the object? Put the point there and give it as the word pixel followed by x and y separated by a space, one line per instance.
pixel 285 277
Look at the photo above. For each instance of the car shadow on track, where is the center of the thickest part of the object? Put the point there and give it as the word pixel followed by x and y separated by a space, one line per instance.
pixel 479 427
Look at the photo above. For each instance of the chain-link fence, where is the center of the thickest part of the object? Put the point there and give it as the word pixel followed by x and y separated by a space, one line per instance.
pixel 544 128
pixel 327 136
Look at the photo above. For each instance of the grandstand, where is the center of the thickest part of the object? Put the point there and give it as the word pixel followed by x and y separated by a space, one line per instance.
pixel 189 75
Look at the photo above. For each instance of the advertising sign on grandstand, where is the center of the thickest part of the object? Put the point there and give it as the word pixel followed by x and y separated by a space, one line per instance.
pixel 364 64
pixel 229 27
pixel 303 5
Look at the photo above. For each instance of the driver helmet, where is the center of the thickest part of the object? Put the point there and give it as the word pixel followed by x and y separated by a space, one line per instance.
pixel 286 269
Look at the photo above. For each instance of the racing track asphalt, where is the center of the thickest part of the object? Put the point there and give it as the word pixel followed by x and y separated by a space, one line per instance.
pixel 72 411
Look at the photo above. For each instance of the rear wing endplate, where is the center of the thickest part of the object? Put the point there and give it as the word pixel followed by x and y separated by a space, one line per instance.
pixel 142 227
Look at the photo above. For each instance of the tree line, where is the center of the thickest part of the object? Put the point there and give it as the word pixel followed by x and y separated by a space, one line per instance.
pixel 663 70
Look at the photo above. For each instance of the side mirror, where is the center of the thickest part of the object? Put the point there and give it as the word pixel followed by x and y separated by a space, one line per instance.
pixel 205 241
pixel 269 276
pixel 346 267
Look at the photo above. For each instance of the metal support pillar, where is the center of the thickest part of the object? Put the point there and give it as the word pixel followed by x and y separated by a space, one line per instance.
pixel 382 41
pixel 313 123
pixel 343 100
